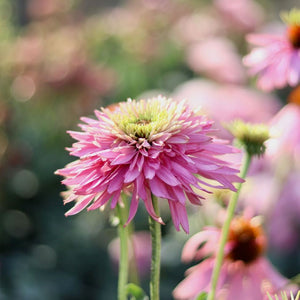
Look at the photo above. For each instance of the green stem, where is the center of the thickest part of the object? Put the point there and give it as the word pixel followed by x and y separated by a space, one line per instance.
pixel 225 229
pixel 155 230
pixel 124 261
pixel 133 274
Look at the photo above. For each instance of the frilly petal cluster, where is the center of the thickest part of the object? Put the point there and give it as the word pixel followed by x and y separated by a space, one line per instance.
pixel 148 147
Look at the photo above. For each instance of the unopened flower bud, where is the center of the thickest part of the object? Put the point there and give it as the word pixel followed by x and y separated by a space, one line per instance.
pixel 250 136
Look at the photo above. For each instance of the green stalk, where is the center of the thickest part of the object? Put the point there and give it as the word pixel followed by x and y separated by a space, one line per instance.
pixel 155 230
pixel 225 229
pixel 124 261
pixel 133 274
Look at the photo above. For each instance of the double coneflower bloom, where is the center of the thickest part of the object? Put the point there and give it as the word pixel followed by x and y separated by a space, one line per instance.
pixel 149 147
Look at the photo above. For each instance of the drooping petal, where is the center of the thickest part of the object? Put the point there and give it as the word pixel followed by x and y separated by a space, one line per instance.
pixel 80 205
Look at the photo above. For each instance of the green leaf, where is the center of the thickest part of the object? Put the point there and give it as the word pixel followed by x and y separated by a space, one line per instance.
pixel 202 296
pixel 136 292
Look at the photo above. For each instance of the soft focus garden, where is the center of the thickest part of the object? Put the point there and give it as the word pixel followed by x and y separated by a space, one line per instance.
pixel 149 149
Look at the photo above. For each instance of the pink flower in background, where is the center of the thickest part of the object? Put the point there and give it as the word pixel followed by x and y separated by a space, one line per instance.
pixel 154 146
pixel 196 27
pixel 240 15
pixel 260 200
pixel 245 273
pixel 39 9
pixel 214 57
pixel 139 252
pixel 284 129
pixel 276 60
pixel 223 103
pixel 38 68
pixel 284 222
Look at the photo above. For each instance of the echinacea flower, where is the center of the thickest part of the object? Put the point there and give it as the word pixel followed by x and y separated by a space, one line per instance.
pixel 155 146
pixel 277 59
pixel 245 273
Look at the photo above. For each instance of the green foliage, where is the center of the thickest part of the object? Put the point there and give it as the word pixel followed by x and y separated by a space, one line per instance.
pixel 202 296
pixel 136 292
pixel 291 17
pixel 250 136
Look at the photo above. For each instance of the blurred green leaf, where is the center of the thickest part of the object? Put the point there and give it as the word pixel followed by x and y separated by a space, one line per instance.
pixel 202 296
pixel 136 292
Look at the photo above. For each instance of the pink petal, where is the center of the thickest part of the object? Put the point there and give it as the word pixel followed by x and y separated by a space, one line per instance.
pixel 166 176
pixel 80 205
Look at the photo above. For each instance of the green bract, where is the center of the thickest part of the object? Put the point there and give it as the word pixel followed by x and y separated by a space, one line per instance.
pixel 251 136
pixel 291 17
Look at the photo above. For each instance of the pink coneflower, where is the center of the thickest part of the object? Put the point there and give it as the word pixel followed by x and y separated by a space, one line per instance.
pixel 245 273
pixel 154 146
pixel 277 59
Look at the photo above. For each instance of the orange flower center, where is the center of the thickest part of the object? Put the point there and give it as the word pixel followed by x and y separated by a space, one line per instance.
pixel 294 96
pixel 247 240
pixel 293 33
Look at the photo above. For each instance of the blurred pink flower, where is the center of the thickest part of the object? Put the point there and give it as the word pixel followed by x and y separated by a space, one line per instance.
pixel 153 146
pixel 245 273
pixel 38 9
pixel 284 129
pixel 260 200
pixel 240 15
pixel 276 60
pixel 57 61
pixel 196 27
pixel 214 57
pixel 284 222
pixel 223 103
pixel 139 252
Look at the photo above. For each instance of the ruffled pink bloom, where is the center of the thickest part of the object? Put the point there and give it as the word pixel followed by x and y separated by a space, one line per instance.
pixel 245 273
pixel 154 146
pixel 276 60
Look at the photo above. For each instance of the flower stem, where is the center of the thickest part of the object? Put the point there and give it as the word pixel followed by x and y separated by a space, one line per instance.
pixel 155 230
pixel 225 229
pixel 124 261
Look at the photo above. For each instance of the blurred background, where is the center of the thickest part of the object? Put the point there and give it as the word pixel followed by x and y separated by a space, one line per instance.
pixel 61 60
